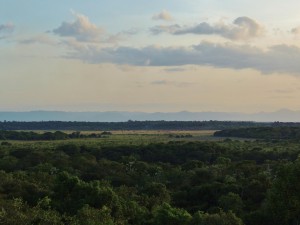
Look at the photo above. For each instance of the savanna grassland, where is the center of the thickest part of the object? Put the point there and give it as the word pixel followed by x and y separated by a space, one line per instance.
pixel 148 177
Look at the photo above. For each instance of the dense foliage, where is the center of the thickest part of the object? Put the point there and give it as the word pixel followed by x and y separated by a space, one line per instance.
pixel 176 183
pixel 262 132
pixel 57 135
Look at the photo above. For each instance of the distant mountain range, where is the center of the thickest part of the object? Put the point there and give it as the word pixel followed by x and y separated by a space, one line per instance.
pixel 283 115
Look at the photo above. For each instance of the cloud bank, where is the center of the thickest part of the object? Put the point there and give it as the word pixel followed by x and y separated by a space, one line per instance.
pixel 241 28
pixel 276 59
pixel 85 39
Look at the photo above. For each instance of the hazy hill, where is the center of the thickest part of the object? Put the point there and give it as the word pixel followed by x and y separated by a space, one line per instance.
pixel 114 116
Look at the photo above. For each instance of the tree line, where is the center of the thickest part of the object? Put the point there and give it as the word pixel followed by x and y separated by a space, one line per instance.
pixel 47 136
pixel 262 132
pixel 136 125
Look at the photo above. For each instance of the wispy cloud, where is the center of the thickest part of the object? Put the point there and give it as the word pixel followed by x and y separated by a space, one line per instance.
pixel 120 36
pixel 132 31
pixel 296 30
pixel 171 29
pixel 240 29
pixel 6 29
pixel 171 83
pixel 81 29
pixel 175 69
pixel 39 39
pixel 276 59
pixel 163 15
pixel 283 91
pixel 159 82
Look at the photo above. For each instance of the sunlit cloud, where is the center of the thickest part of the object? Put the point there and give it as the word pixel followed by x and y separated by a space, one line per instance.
pixel 81 29
pixel 163 15
pixel 242 28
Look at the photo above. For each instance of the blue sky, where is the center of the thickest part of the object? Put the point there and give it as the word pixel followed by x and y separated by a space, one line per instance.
pixel 149 56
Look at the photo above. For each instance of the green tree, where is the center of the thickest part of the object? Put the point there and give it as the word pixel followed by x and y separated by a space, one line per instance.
pixel 221 218
pixel 91 216
pixel 71 194
pixel 283 201
pixel 167 215
pixel 232 202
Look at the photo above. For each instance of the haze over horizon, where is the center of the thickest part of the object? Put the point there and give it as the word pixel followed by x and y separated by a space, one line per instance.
pixel 123 116
pixel 158 56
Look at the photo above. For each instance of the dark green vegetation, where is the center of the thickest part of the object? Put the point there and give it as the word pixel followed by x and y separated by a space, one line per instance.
pixel 46 136
pixel 135 125
pixel 262 133
pixel 94 181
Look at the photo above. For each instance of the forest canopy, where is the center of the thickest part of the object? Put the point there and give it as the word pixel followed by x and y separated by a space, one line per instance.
pixel 176 183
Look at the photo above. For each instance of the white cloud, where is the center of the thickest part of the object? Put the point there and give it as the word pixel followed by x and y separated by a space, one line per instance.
pixel 242 28
pixel 81 29
pixel 245 28
pixel 163 15
pixel 276 59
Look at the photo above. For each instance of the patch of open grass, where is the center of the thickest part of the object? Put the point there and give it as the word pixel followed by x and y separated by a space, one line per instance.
pixel 139 137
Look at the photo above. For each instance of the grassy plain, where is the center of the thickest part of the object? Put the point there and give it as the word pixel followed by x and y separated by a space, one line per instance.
pixel 132 137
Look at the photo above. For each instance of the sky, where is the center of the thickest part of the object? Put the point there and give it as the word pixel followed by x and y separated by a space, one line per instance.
pixel 150 56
